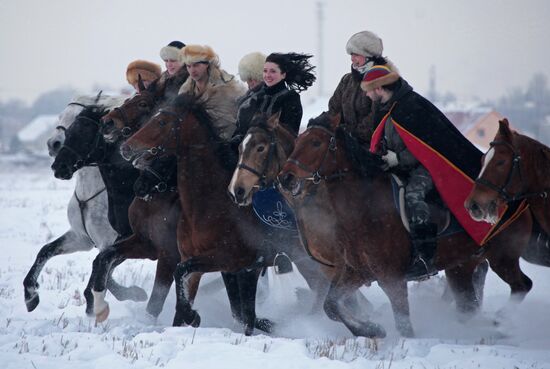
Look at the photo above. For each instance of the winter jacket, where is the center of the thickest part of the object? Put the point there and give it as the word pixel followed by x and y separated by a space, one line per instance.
pixel 271 100
pixel 168 86
pixel 354 106
pixel 220 99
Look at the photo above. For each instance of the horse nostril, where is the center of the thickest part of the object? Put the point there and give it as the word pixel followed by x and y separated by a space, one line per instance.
pixel 474 207
pixel 56 145
pixel 126 152
pixel 286 180
pixel 240 192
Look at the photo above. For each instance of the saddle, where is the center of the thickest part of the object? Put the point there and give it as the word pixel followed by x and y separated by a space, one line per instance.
pixel 439 213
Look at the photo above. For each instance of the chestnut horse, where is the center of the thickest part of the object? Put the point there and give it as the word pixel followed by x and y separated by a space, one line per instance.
pixel 213 233
pixel 347 218
pixel 514 168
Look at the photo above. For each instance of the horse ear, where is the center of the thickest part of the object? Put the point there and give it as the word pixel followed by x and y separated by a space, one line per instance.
pixel 335 120
pixel 273 121
pixel 141 85
pixel 504 128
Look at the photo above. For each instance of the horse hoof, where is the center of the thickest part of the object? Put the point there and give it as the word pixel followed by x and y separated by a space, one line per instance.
pixel 137 294
pixel 373 330
pixel 102 315
pixel 32 302
pixel 196 320
pixel 248 330
pixel 264 325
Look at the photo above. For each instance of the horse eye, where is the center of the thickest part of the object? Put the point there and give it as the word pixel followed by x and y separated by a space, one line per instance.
pixel 500 163
pixel 316 143
pixel 162 123
pixel 142 105
pixel 260 148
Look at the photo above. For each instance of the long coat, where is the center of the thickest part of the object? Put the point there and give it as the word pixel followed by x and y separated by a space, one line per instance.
pixel 354 106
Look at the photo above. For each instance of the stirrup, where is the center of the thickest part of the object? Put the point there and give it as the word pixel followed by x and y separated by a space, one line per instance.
pixel 282 263
pixel 419 270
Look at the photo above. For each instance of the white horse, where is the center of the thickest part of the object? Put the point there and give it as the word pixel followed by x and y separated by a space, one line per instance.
pixel 87 212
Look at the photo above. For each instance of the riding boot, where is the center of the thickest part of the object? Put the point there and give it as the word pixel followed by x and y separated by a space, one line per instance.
pixel 424 245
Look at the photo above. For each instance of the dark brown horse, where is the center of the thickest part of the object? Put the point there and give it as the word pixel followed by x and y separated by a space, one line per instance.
pixel 347 219
pixel 213 234
pixel 515 167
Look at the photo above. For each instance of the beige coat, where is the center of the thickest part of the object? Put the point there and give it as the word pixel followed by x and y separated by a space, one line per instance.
pixel 220 99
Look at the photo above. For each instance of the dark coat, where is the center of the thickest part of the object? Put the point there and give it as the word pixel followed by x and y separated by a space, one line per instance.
pixel 452 161
pixel 354 106
pixel 167 86
pixel 271 100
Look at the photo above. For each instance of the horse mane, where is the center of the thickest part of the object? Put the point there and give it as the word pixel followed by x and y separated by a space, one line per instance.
pixel 364 163
pixel 187 103
pixel 93 112
pixel 107 101
pixel 539 153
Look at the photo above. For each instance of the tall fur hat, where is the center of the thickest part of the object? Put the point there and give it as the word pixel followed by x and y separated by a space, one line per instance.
pixel 378 76
pixel 199 53
pixel 148 71
pixel 365 43
pixel 171 51
pixel 251 67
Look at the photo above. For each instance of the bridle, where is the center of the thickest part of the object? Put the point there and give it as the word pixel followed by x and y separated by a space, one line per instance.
pixel 271 153
pixel 128 130
pixel 315 176
pixel 161 148
pixel 80 160
pixel 516 167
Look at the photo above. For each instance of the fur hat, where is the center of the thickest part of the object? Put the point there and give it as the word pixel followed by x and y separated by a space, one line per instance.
pixel 171 51
pixel 198 53
pixel 365 43
pixel 251 67
pixel 378 76
pixel 148 71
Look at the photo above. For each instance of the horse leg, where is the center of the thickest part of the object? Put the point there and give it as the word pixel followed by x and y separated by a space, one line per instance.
pixel 134 247
pixel 184 310
pixel 163 280
pixel 344 285
pixel 461 282
pixel 396 290
pixel 247 286
pixel 509 271
pixel 67 243
pixel 316 281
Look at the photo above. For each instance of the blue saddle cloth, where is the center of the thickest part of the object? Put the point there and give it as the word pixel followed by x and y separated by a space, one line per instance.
pixel 272 209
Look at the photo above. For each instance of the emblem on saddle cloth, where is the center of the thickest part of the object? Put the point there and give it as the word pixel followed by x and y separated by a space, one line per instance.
pixel 272 209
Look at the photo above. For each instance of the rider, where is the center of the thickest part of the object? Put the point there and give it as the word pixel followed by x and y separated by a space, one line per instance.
pixel 348 100
pixel 174 75
pixel 212 85
pixel 148 71
pixel 284 76
pixel 419 144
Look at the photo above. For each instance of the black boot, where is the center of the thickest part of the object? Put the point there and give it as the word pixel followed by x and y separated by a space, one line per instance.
pixel 424 245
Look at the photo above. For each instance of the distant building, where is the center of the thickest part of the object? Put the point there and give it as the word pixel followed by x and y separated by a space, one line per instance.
pixel 32 137
pixel 479 125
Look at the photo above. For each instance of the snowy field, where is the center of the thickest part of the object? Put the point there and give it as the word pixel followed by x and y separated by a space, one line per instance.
pixel 59 335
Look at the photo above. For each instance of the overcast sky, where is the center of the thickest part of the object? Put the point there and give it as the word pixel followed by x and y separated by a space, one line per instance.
pixel 478 47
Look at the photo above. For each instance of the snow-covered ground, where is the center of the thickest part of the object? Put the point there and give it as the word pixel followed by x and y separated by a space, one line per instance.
pixel 59 335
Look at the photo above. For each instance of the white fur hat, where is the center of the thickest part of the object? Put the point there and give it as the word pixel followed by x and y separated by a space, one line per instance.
pixel 171 51
pixel 251 67
pixel 365 43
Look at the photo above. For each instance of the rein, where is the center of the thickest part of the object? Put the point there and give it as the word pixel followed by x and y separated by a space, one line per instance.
pixel 315 176
pixel 516 167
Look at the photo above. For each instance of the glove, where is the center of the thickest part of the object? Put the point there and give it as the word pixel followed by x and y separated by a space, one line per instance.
pixel 390 160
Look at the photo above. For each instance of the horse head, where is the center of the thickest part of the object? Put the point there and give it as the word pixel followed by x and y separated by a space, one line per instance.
pixel 498 181
pixel 315 157
pixel 126 119
pixel 262 153
pixel 83 144
pixel 159 136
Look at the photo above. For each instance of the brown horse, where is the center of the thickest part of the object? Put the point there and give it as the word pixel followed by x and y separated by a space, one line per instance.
pixel 347 219
pixel 514 168
pixel 125 120
pixel 262 154
pixel 213 234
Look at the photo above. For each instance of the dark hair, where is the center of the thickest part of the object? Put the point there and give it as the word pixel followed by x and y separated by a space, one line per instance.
pixel 298 71
pixel 177 44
